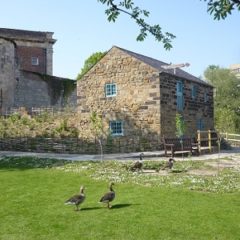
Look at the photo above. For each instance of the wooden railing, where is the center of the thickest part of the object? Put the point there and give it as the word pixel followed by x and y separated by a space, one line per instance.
pixel 207 140
pixel 231 137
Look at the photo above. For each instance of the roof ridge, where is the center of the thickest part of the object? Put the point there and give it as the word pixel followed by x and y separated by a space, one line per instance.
pixel 142 55
pixel 157 64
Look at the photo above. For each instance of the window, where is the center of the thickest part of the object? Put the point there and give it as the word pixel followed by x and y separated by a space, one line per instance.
pixel 116 128
pixel 194 92
pixel 35 61
pixel 180 100
pixel 200 124
pixel 110 90
pixel 205 97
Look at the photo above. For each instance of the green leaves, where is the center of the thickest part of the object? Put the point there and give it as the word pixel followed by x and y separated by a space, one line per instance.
pixel 180 125
pixel 222 8
pixel 112 14
pixel 90 62
pixel 139 15
pixel 226 99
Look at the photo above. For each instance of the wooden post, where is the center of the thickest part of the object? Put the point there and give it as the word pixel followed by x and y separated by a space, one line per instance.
pixel 199 141
pixel 209 141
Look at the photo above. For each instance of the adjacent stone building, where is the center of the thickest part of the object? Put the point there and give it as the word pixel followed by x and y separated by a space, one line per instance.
pixel 137 98
pixel 26 66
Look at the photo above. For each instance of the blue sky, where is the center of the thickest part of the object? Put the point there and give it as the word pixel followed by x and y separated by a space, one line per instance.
pixel 81 28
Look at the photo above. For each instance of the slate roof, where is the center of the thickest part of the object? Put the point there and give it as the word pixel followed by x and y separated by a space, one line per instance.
pixel 16 34
pixel 158 65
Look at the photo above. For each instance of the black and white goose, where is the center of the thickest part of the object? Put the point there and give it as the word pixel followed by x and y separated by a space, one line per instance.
pixel 77 199
pixel 109 196
pixel 169 164
pixel 138 165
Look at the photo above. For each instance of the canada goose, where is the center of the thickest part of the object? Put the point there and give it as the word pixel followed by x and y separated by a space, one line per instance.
pixel 138 165
pixel 169 164
pixel 77 199
pixel 109 196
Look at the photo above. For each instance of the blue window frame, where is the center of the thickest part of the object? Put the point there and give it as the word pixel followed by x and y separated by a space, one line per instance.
pixel 194 92
pixel 180 100
pixel 116 128
pixel 205 97
pixel 200 124
pixel 110 90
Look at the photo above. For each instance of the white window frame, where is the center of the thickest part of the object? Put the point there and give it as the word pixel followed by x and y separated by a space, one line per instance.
pixel 116 122
pixel 35 61
pixel 110 89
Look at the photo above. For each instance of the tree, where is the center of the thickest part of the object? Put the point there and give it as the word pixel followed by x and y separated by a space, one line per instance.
pixel 227 87
pixel 180 126
pixel 97 127
pixel 138 15
pixel 90 62
pixel 180 129
pixel 227 98
pixel 220 9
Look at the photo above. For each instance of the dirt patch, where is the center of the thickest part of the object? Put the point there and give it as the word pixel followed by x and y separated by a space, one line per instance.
pixel 224 164
pixel 203 172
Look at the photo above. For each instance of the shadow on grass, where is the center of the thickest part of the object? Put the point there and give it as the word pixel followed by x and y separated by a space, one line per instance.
pixel 122 205
pixel 25 163
pixel 116 206
pixel 90 208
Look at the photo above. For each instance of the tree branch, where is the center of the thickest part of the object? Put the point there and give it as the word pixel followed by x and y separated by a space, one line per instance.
pixel 136 13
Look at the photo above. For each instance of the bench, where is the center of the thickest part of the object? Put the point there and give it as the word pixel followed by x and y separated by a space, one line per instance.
pixel 173 146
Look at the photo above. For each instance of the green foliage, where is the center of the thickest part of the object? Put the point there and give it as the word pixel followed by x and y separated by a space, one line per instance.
pixel 90 62
pixel 180 125
pixel 219 8
pixel 226 120
pixel 128 7
pixel 43 125
pixel 60 88
pixel 222 8
pixel 227 98
pixel 96 122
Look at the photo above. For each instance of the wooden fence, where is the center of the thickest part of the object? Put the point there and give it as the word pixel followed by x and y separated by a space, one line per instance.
pixel 232 138
pixel 207 140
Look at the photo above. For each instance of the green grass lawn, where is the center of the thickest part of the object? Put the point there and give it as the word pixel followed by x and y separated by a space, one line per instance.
pixel 33 191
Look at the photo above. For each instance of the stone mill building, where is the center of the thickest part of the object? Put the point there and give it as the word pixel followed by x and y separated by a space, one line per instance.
pixel 138 98
pixel 26 67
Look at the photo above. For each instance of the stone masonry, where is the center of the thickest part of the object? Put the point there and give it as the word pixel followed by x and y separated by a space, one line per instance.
pixel 194 109
pixel 137 100
pixel 24 84
pixel 145 99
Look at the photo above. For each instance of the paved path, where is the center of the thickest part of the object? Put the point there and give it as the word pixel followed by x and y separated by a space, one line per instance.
pixel 157 155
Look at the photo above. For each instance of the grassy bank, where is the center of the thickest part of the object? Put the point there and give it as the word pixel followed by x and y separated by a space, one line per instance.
pixel 33 192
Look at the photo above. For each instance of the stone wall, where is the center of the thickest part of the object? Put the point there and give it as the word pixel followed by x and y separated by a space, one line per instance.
pixel 25 85
pixel 33 90
pixel 7 73
pixel 194 109
pixel 137 100
pixel 146 101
